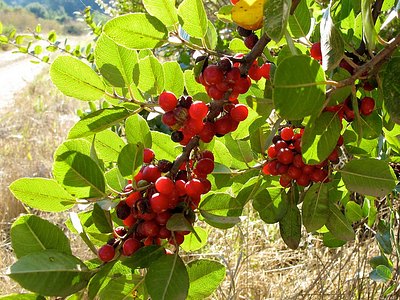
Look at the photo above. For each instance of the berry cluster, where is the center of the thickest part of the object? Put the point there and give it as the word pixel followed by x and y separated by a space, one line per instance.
pixel 345 110
pixel 153 197
pixel 188 118
pixel 286 160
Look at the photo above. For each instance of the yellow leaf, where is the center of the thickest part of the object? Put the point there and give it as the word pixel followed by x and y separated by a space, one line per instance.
pixel 249 14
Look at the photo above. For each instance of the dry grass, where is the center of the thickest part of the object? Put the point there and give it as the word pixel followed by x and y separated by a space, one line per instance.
pixel 259 265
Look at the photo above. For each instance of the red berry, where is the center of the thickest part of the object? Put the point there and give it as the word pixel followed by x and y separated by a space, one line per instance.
pixel 198 110
pixel 318 175
pixel 132 198
pixel 287 133
pixel 272 151
pixel 130 246
pixel 254 72
pixel 120 231
pixel 213 74
pixel 169 119
pixel 159 202
pixel 179 238
pixel 194 188
pixel 205 165
pixel 294 172
pixel 345 65
pixel 148 155
pixel 280 145
pixel 223 125
pixel 148 228
pixel 167 101
pixel 234 1
pixel 272 167
pixel 106 253
pixel 303 180
pixel 233 75
pixel 367 106
pixel 215 93
pixel 193 127
pixel 208 132
pixel 163 217
pixel 285 180
pixel 308 169
pixel 281 168
pixel 164 233
pixel 239 112
pixel 129 221
pixel 164 185
pixel 206 184
pixel 298 161
pixel 242 85
pixel 207 154
pixel 151 173
pixel 223 86
pixel 180 187
pixel 265 71
pixel 315 51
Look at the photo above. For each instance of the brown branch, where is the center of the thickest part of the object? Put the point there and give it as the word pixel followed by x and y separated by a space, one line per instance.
pixel 184 157
pixel 369 66
pixel 254 53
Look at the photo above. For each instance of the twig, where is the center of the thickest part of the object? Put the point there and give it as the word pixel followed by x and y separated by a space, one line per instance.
pixel 295 3
pixel 254 53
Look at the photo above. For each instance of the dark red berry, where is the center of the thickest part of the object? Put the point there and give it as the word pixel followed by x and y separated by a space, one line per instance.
pixel 177 136
pixel 148 228
pixel 243 32
pixel 123 210
pixel 148 155
pixel 285 180
pixel 294 172
pixel 208 132
pixel 163 217
pixel 185 101
pixel 106 253
pixel 164 165
pixel 179 238
pixel 239 112
pixel 130 246
pixel 213 74
pixel 205 165
pixel 169 119
pixel 251 40
pixel 151 173
pixel 367 106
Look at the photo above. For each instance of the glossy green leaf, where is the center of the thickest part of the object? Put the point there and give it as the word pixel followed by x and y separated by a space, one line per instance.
pixel 193 88
pixel 271 204
pixel 331 241
pixel 300 21
pixel 167 278
pixel 79 174
pixel 225 13
pixel 221 154
pixel 178 222
pixel 320 137
pixel 151 76
pixel 369 33
pixel 164 10
pixel 115 180
pixel 137 131
pixel 276 14
pixel 211 37
pixel 290 227
pixel 221 210
pixel 299 87
pixel 381 274
pixel 76 79
pixel 383 237
pixel 108 145
pixel 115 62
pixel 136 31
pixel 30 234
pixel 130 159
pixel 192 243
pixel 391 89
pixel 332 45
pixel 353 212
pixel 163 146
pixel 42 193
pixel 50 273
pixel 338 224
pixel 98 121
pixel 205 276
pixel 371 126
pixel 102 219
pixel 315 210
pixel 144 257
pixel 174 81
pixel 358 177
pixel 193 17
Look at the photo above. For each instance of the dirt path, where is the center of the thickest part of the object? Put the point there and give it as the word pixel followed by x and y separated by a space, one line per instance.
pixel 16 71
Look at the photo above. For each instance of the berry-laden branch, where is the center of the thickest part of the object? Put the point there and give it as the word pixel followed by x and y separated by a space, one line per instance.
pixel 372 64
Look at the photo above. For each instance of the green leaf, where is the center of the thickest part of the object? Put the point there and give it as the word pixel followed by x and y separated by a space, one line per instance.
pixel 244 129
pixel 193 18
pixel 76 171
pixel 391 89
pixel 240 150
pixel 369 33
pixel 371 126
pixel 225 13
pixel 163 146
pixel 30 234
pixel 276 14
pixel 164 10
pixel 167 279
pixel 338 224
pixel 205 276
pixel 249 190
pixel 50 273
pixel 102 219
pixel 271 204
pixel 115 62
pixel 178 222
pixel 137 131
pixel 332 45
pixel 221 210
pixel 151 76
pixel 192 243
pixel 381 260
pixel 98 121
pixel 76 79
pixel 108 145
pixel 195 89
pixel 383 237
pixel 358 177
pixel 22 297
pixel 353 212
pixel 381 274
pixel 144 257
pixel 331 241
pixel 115 180
pixel 300 21
pixel 130 159
pixel 320 137
pixel 299 87
pixel 136 31
pixel 42 193
pixel 315 208
pixel 211 38
pixel 174 81
pixel 290 227
pixel 221 154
